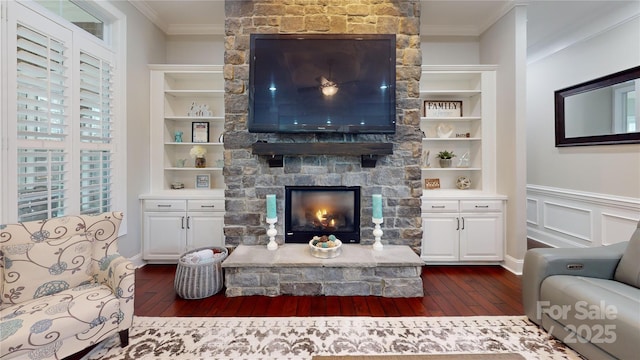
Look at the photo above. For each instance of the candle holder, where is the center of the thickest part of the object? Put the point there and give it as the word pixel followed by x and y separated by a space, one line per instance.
pixel 377 234
pixel 271 233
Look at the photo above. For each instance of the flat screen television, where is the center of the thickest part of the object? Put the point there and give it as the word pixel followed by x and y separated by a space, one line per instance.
pixel 315 83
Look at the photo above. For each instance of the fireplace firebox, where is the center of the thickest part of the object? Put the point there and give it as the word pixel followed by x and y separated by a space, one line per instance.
pixel 322 210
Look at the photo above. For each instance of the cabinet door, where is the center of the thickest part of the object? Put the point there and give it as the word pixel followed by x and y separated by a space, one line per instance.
pixel 164 235
pixel 205 229
pixel 481 237
pixel 440 237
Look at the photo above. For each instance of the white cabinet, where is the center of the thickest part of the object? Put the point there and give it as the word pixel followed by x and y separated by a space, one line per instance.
pixel 472 134
pixel 173 226
pixel 463 230
pixel 184 98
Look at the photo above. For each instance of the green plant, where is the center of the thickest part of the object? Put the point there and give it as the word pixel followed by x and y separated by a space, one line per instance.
pixel 445 154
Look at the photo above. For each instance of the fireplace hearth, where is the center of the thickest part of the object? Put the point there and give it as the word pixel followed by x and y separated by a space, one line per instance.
pixel 322 210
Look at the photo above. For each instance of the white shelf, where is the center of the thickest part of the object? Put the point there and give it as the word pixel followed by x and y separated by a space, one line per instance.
pixel 194 118
pixel 195 93
pixel 193 169
pixel 440 94
pixel 451 139
pixel 192 143
pixel 451 169
pixel 453 119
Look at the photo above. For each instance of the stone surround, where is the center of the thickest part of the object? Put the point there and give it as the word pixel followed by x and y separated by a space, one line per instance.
pixel 291 270
pixel 397 177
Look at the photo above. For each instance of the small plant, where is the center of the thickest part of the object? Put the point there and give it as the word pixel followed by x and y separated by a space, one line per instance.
pixel 445 154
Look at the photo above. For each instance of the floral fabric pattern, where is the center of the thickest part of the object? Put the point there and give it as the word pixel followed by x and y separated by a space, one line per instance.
pixel 64 286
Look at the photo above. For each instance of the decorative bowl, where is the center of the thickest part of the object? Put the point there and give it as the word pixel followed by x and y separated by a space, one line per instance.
pixel 325 253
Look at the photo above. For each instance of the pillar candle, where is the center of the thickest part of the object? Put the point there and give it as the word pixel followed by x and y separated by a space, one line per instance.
pixel 271 207
pixel 377 206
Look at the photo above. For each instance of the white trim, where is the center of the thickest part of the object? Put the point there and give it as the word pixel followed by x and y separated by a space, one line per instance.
pixel 602 219
pixel 150 14
pixel 512 264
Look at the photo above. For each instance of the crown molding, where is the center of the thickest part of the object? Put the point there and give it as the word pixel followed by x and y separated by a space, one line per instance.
pixel 149 13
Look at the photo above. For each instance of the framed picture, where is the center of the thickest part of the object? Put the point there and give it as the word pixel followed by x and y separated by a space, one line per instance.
pixel 442 108
pixel 432 184
pixel 203 181
pixel 200 132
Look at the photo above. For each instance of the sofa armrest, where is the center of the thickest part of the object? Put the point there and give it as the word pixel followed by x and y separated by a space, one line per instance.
pixel 118 273
pixel 597 262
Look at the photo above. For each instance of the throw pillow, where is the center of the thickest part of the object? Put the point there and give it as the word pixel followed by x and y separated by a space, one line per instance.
pixel 628 270
pixel 36 269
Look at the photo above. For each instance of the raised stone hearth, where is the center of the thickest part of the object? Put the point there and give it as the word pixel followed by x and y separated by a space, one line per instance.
pixel 291 270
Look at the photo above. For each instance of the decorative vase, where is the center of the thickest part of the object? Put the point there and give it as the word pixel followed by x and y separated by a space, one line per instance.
pixel 201 162
pixel 445 163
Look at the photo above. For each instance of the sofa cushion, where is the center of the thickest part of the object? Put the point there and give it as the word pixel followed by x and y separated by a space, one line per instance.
pixel 37 269
pixel 83 311
pixel 604 312
pixel 628 270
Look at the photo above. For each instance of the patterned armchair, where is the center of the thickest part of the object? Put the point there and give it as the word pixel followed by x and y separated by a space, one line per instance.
pixel 63 287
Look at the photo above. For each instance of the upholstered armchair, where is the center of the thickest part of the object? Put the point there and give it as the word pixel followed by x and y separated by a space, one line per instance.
pixel 64 286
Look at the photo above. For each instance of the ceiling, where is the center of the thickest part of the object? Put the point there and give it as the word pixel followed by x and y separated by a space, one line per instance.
pixel 547 20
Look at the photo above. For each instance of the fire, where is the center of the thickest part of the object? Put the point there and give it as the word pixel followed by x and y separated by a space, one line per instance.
pixel 321 215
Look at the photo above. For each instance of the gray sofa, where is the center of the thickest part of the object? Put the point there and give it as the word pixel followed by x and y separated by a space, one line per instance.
pixel 589 298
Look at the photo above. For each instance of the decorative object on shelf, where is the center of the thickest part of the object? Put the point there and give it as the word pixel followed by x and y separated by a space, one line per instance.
pixel 272 218
pixel 325 247
pixel 181 162
pixel 198 153
pixel 221 138
pixel 203 181
pixel 446 158
pixel 431 184
pixel 463 183
pixel 463 135
pixel 442 108
pixel 177 137
pixel 199 110
pixel 177 185
pixel 444 130
pixel 376 201
pixel 377 234
pixel 427 160
pixel 200 132
pixel 464 161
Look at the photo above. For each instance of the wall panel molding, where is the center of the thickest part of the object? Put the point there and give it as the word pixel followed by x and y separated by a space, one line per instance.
pixel 569 218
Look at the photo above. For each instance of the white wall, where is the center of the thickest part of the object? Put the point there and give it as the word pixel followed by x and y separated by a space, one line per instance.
pixel 504 44
pixel 605 169
pixel 195 49
pixel 450 50
pixel 145 45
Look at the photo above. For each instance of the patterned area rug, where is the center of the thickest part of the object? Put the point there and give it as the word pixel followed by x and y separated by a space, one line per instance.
pixel 304 337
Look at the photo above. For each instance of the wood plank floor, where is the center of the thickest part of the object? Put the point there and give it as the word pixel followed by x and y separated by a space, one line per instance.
pixel 449 291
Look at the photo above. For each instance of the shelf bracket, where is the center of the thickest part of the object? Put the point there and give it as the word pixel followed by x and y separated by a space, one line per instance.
pixel 276 161
pixel 368 161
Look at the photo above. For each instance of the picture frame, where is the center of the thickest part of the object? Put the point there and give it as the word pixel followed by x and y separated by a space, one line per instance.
pixel 203 182
pixel 442 108
pixel 432 184
pixel 200 132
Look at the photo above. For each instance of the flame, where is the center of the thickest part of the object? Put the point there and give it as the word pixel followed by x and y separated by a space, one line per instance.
pixel 321 214
pixel 333 223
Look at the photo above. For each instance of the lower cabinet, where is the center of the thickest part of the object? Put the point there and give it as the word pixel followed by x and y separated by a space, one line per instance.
pixel 172 227
pixel 462 230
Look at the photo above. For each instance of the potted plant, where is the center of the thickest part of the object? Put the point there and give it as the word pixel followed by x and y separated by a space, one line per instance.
pixel 446 158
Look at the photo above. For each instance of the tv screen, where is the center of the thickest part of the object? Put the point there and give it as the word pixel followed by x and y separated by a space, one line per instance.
pixel 322 83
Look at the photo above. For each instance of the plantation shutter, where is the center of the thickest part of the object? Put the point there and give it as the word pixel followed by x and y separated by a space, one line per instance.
pixel 96 123
pixel 42 124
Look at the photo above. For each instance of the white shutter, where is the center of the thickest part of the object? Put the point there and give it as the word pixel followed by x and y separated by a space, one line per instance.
pixel 42 124
pixel 95 133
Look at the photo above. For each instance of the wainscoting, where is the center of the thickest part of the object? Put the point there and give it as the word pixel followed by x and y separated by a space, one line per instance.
pixel 568 218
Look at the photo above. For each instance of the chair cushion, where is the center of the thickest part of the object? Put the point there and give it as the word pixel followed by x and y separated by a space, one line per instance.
pixel 628 270
pixel 37 269
pixel 48 321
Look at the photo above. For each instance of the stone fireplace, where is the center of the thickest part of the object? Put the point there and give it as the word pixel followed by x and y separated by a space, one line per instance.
pixel 322 211
pixel 396 176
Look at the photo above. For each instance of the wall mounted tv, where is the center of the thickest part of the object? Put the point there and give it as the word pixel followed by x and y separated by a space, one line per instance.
pixel 316 83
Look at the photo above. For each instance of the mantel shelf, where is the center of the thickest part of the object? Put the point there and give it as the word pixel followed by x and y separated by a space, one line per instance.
pixel 367 151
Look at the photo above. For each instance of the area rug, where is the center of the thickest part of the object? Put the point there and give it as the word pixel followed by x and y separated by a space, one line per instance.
pixel 304 337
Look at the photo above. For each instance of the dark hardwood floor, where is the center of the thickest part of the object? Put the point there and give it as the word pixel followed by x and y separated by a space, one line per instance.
pixel 449 291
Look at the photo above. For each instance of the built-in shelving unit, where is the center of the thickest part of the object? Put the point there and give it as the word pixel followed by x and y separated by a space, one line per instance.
pixel 473 133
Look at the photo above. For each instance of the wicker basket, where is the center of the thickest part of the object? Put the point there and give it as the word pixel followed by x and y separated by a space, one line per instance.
pixel 197 281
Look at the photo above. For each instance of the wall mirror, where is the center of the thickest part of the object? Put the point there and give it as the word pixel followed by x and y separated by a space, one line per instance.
pixel 599 112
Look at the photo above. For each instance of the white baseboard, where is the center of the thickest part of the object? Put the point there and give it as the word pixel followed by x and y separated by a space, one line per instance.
pixel 137 261
pixel 512 264
pixel 569 218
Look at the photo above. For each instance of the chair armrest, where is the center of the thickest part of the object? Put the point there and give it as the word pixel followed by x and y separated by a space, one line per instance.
pixel 118 273
pixel 597 262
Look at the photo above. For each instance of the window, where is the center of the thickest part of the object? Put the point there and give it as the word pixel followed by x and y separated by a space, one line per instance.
pixel 624 107
pixel 63 119
pixel 76 15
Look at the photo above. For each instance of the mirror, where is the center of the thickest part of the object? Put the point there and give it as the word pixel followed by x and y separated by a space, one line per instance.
pixel 599 112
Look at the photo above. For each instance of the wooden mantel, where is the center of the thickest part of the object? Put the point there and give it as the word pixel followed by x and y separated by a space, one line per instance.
pixel 368 152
